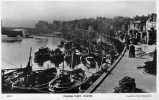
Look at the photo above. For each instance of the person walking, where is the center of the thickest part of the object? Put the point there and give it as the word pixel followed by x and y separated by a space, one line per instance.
pixel 131 50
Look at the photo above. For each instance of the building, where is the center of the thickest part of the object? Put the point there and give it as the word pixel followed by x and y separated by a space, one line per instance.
pixel 138 25
pixel 137 29
pixel 22 31
pixel 145 30
pixel 13 32
pixel 151 22
pixel 151 28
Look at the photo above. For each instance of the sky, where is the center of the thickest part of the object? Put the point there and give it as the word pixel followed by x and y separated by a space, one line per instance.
pixel 27 13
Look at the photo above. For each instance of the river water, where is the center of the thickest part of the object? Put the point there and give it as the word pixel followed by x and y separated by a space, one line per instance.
pixel 16 54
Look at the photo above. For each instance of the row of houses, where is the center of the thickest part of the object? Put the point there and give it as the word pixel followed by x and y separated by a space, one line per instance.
pixel 144 30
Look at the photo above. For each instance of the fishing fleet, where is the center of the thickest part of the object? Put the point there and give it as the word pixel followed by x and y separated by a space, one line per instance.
pixel 85 63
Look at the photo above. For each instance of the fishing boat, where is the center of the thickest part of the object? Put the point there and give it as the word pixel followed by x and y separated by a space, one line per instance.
pixel 85 65
pixel 24 80
pixel 76 80
pixel 92 70
pixel 68 82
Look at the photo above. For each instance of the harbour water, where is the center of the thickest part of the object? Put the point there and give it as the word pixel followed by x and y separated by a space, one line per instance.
pixel 16 54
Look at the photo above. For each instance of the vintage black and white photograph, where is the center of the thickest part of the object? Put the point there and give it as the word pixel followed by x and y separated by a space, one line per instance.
pixel 52 47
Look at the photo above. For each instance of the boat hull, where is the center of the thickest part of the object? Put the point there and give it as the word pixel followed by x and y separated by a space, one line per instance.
pixel 67 86
pixel 41 80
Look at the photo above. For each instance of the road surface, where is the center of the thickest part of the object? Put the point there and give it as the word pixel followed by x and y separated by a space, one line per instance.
pixel 128 67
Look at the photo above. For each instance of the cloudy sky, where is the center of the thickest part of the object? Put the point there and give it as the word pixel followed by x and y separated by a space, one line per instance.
pixel 27 13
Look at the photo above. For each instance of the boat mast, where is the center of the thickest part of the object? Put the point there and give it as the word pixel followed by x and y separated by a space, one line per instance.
pixel 72 56
pixel 88 38
pixel 29 67
pixel 63 62
pixel 28 70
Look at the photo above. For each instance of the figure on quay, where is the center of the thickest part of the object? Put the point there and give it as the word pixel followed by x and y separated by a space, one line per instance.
pixel 131 50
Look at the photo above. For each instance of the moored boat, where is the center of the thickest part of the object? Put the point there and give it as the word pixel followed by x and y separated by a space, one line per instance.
pixel 24 80
pixel 68 81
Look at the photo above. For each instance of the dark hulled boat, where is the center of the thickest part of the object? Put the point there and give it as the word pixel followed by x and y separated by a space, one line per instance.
pixel 24 80
pixel 76 80
pixel 68 82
